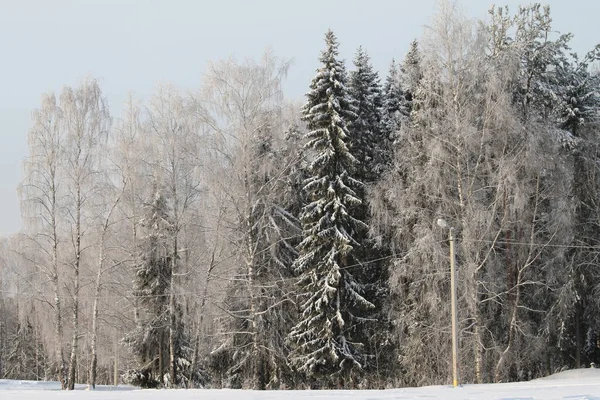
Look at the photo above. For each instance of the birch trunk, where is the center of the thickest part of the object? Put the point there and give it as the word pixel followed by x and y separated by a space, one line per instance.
pixel 97 288
pixel 172 319
pixel 75 338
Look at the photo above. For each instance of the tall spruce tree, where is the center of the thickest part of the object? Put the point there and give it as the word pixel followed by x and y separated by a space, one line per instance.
pixel 26 354
pixel 399 92
pixel 248 170
pixel 149 341
pixel 578 122
pixel 393 97
pixel 410 76
pixel 367 140
pixel 334 309
pixel 260 315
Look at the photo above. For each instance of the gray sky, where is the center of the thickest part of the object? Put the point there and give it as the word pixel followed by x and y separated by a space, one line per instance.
pixel 132 45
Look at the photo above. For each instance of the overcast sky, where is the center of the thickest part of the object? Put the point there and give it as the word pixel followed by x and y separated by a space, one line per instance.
pixel 132 45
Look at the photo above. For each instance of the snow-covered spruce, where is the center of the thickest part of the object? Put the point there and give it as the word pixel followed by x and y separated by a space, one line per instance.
pixel 334 309
pixel 368 143
pixel 149 341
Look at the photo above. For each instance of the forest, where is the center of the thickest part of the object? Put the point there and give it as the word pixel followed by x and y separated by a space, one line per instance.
pixel 228 237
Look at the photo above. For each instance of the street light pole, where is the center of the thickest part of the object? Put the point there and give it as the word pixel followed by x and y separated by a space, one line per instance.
pixel 443 224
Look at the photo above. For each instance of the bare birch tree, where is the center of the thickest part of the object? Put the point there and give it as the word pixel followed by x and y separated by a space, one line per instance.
pixel 41 197
pixel 85 123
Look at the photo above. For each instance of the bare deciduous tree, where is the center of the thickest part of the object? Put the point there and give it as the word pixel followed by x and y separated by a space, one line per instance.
pixel 41 195
pixel 85 122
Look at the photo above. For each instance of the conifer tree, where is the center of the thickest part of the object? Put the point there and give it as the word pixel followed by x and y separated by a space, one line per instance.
pixel 392 102
pixel 370 144
pixel 333 307
pixel 149 341
pixel 26 354
pixel 400 92
pixel 579 98
pixel 367 141
pixel 245 359
pixel 578 122
pixel 410 76
pixel 251 172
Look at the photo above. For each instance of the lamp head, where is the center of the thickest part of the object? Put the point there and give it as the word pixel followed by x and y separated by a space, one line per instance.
pixel 442 223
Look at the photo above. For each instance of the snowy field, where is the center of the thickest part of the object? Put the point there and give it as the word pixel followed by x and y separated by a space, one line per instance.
pixel 581 384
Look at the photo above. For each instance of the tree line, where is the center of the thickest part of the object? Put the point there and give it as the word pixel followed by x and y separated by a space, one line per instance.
pixel 229 237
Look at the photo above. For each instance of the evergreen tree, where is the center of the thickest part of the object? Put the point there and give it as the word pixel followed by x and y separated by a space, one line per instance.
pixel 26 355
pixel 367 141
pixel 579 94
pixel 578 123
pixel 410 76
pixel 149 341
pixel 251 174
pixel 333 307
pixel 400 92
pixel 393 98
pixel 237 362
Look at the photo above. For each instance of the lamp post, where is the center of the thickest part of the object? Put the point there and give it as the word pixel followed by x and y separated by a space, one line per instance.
pixel 443 224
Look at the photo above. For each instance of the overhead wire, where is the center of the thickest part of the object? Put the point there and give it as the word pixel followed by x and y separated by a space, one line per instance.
pixel 269 283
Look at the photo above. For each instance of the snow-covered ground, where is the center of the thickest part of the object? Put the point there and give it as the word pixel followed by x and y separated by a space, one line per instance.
pixel 583 384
